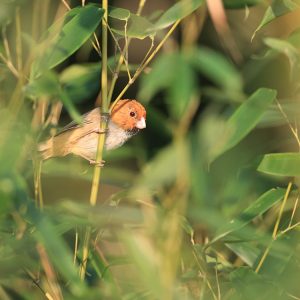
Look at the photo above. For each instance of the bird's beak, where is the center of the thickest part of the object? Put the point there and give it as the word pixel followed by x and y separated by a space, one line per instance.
pixel 141 124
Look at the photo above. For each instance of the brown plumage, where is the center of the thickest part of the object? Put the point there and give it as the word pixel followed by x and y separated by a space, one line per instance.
pixel 127 118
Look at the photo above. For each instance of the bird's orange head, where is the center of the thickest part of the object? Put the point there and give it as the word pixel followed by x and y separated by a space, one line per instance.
pixel 129 114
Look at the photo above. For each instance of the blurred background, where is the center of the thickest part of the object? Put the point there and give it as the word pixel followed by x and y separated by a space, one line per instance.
pixel 191 207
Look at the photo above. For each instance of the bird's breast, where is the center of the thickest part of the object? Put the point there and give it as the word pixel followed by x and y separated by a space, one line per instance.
pixel 115 136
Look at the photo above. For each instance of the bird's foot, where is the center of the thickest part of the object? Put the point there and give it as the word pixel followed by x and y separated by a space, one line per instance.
pixel 100 164
pixel 102 131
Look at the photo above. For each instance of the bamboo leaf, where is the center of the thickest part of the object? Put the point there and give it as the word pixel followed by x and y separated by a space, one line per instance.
pixel 79 24
pixel 276 9
pixel 177 12
pixel 214 66
pixel 244 119
pixel 260 206
pixel 280 164
pixel 236 4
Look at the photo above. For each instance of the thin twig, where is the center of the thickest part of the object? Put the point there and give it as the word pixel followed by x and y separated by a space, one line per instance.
pixel 120 62
pixel 275 230
pixel 293 130
pixel 140 70
pixel 274 235
pixel 18 40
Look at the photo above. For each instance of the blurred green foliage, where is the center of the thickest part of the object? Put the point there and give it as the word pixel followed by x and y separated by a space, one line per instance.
pixel 203 204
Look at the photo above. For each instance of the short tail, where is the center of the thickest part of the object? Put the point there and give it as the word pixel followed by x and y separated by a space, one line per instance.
pixel 45 149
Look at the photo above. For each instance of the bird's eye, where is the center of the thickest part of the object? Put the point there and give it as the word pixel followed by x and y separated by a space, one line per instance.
pixel 132 114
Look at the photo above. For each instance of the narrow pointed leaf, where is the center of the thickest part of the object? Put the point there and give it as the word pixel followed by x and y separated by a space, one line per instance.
pixel 79 24
pixel 257 208
pixel 244 119
pixel 178 11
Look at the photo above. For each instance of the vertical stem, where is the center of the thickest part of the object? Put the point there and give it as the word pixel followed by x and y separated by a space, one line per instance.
pixel 101 140
pixel 105 103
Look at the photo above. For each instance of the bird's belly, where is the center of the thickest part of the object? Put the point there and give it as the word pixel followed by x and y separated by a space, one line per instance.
pixel 87 146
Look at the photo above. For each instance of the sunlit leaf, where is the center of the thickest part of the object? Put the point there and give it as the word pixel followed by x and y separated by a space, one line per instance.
pixel 178 11
pixel 79 25
pixel 281 164
pixel 118 13
pixel 243 120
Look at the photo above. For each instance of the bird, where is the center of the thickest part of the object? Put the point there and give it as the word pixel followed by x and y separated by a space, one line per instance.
pixel 127 118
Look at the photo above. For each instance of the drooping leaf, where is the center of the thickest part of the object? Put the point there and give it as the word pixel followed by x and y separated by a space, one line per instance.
pixel 177 12
pixel 281 164
pixel 260 206
pixel 245 251
pixel 276 9
pixel 243 120
pixel 79 24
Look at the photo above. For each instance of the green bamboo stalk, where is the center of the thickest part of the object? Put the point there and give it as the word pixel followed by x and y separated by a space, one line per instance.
pixel 101 140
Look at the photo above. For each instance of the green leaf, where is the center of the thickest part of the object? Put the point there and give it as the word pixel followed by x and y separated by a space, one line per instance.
pixel 244 119
pixel 245 251
pixel 216 68
pixel 281 164
pixel 79 24
pixel 81 81
pixel 163 169
pixel 260 206
pixel 118 13
pixel 248 285
pixel 173 73
pixel 177 12
pixel 48 84
pixel 138 27
pixel 232 4
pixel 277 9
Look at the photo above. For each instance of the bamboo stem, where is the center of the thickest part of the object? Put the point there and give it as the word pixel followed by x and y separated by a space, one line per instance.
pixel 101 140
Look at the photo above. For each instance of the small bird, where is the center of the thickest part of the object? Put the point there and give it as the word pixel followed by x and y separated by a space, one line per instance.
pixel 126 119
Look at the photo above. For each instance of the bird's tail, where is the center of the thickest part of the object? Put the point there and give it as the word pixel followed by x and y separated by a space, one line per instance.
pixel 45 149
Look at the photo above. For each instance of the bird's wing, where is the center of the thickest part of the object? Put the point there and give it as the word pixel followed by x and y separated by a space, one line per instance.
pixel 90 123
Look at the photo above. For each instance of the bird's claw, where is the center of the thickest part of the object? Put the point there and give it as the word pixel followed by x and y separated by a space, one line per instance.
pixel 97 164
